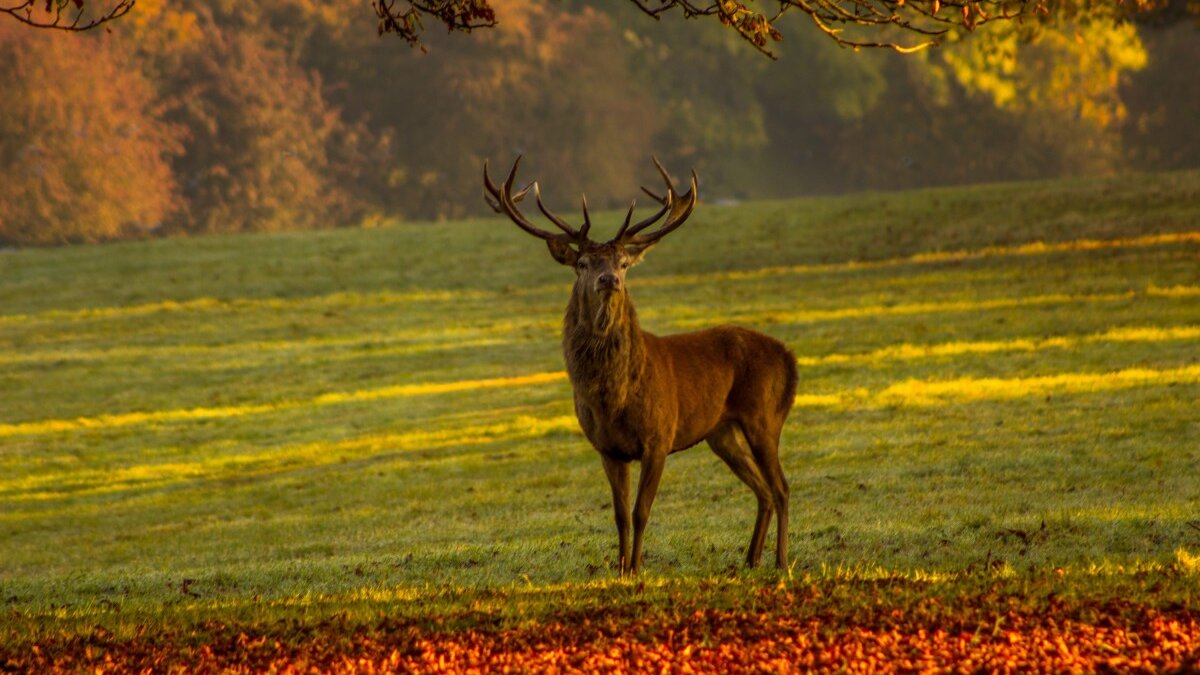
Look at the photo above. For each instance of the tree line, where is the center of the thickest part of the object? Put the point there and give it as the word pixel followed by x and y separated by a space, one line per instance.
pixel 192 117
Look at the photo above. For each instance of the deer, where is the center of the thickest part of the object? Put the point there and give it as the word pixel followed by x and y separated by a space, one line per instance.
pixel 640 397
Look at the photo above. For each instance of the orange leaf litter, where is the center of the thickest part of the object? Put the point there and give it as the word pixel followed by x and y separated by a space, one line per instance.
pixel 704 641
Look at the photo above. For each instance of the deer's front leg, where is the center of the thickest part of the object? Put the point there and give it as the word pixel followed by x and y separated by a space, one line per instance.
pixel 618 478
pixel 652 468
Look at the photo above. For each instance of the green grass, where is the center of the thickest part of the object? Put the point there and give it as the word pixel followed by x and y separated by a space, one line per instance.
pixel 275 498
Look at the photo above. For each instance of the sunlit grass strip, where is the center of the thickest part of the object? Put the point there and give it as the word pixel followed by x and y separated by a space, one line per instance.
pixel 908 393
pixel 897 352
pixel 340 299
pixel 924 393
pixel 436 388
pixel 224 412
pixel 527 599
pixel 258 351
pixel 381 298
pixel 275 460
pixel 934 257
pixel 908 352
pixel 953 306
pixel 414 341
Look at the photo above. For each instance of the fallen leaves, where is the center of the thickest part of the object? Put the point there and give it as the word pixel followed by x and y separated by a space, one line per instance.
pixel 784 632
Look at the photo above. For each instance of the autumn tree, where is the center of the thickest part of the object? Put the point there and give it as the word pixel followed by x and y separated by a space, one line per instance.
pixel 535 88
pixel 1014 102
pixel 256 151
pixel 426 122
pixel 289 118
pixel 84 151
pixel 1163 102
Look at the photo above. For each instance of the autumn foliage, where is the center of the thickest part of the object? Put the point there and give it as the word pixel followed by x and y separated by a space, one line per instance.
pixel 256 156
pixel 782 634
pixel 191 117
pixel 84 150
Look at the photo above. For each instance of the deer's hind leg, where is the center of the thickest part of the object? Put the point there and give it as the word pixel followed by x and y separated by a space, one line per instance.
pixel 764 444
pixel 728 442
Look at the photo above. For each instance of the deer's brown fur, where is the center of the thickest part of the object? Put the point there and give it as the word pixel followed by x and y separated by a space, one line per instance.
pixel 640 397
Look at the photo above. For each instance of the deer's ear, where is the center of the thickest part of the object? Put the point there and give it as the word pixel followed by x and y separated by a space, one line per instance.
pixel 563 253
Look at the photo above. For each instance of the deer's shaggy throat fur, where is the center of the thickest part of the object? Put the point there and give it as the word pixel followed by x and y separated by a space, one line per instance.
pixel 603 346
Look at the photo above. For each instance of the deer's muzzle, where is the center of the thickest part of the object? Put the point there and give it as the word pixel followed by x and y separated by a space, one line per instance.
pixel 607 282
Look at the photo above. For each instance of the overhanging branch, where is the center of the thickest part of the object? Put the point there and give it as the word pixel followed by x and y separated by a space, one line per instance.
pixel 403 17
pixel 900 25
pixel 68 15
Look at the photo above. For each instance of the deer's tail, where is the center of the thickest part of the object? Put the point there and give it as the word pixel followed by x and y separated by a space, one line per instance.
pixel 789 387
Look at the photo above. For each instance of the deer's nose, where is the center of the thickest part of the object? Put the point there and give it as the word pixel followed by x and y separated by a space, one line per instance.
pixel 608 281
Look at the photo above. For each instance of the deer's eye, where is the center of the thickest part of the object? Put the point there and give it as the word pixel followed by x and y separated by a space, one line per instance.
pixel 624 264
pixel 582 264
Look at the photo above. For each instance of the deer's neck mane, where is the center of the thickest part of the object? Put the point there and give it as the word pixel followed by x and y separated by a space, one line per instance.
pixel 604 348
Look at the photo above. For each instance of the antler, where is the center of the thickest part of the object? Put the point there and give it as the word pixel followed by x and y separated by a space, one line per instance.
pixel 676 207
pixel 502 200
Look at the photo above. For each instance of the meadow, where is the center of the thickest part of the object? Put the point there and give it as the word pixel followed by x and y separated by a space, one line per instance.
pixel 998 385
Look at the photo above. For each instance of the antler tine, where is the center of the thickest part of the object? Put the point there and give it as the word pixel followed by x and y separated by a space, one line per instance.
pixel 662 172
pixel 653 196
pixel 679 211
pixel 667 203
pixel 488 185
pixel 666 179
pixel 521 195
pixel 504 201
pixel 625 225
pixel 587 220
pixel 562 225
pixel 512 177
pixel 491 201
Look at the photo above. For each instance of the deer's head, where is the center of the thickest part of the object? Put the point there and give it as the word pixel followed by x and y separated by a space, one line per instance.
pixel 599 267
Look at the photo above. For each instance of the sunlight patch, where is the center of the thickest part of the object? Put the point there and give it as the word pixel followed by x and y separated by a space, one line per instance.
pixel 380 298
pixel 342 299
pixel 907 352
pixel 192 414
pixel 954 306
pixel 907 393
pixel 922 393
pixel 255 352
pixel 285 458
pixel 1186 562
pixel 935 257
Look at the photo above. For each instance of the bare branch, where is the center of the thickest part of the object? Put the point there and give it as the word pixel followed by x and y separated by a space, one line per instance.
pixel 899 25
pixel 849 23
pixel 66 15
pixel 403 17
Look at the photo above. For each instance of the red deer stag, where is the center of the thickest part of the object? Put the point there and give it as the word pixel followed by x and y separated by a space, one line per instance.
pixel 640 397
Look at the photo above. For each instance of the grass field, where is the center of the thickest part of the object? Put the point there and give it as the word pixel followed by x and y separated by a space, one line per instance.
pixel 999 385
